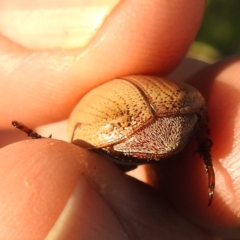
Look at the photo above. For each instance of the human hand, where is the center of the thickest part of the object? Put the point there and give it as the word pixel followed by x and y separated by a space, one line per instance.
pixel 39 177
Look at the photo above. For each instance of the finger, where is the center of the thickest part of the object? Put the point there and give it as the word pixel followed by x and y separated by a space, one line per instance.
pixel 37 185
pixel 184 179
pixel 39 87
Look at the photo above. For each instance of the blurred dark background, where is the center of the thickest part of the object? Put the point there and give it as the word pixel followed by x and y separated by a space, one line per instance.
pixel 219 35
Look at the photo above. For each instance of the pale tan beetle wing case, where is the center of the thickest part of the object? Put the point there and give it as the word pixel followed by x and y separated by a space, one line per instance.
pixel 116 109
pixel 137 120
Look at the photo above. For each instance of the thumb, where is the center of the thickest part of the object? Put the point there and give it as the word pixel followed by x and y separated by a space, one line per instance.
pixel 53 188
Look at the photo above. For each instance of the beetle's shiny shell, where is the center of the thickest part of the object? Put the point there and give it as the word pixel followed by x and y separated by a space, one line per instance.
pixel 117 110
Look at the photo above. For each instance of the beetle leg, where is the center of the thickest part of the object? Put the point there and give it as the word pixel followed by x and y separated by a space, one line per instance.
pixel 204 150
pixel 27 130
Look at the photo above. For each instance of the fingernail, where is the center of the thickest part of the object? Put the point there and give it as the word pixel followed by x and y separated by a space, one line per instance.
pixel 53 24
pixel 86 216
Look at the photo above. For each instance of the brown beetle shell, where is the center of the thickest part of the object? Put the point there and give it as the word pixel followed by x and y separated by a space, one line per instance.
pixel 140 119
pixel 141 116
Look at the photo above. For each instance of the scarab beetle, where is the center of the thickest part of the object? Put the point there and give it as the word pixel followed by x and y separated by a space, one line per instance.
pixel 142 119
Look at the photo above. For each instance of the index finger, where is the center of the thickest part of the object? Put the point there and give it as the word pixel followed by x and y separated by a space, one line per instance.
pixel 39 87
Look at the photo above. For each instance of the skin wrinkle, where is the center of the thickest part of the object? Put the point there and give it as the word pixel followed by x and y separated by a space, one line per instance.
pixel 113 206
pixel 100 187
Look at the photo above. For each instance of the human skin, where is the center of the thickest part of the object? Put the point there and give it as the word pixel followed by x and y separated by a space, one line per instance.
pixel 39 178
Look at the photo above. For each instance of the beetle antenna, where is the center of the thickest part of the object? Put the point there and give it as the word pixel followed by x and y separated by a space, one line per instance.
pixel 27 130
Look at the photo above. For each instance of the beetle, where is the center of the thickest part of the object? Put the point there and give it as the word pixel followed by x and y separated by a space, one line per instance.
pixel 140 120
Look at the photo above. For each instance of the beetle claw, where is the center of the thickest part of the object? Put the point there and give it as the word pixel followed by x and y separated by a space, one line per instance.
pixel 211 183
